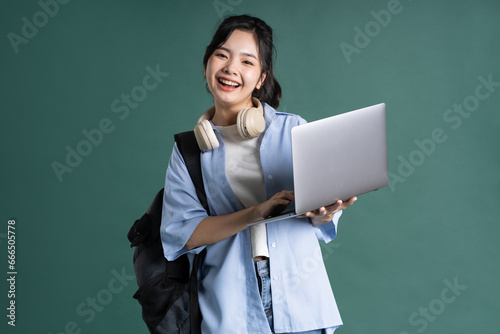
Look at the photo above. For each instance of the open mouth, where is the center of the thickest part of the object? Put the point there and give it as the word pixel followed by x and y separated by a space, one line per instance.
pixel 228 83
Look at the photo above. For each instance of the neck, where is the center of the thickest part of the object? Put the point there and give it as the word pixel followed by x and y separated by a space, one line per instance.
pixel 226 115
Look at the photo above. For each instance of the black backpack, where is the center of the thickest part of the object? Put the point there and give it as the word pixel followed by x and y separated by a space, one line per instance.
pixel 167 293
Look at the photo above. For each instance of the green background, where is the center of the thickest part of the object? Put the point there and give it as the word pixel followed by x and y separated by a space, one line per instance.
pixel 397 249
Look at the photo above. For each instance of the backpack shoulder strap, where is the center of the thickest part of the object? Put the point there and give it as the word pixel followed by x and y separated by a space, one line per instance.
pixel 145 226
pixel 186 142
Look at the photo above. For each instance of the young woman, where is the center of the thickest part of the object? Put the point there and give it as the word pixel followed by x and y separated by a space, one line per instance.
pixel 270 277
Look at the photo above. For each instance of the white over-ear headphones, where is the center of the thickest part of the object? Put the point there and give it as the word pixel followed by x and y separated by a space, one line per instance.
pixel 250 123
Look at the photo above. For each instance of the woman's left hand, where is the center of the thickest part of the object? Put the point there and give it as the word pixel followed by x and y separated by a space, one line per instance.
pixel 325 214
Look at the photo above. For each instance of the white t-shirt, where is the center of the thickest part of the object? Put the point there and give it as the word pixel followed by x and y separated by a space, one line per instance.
pixel 246 178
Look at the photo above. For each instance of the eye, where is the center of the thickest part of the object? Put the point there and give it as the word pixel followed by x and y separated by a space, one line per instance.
pixel 220 55
pixel 247 62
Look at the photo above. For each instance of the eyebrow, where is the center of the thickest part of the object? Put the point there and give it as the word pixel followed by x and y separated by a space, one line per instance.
pixel 243 53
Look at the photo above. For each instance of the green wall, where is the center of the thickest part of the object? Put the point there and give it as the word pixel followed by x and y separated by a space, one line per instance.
pixel 419 256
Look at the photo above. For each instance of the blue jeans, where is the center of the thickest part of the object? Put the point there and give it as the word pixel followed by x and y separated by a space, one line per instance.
pixel 263 277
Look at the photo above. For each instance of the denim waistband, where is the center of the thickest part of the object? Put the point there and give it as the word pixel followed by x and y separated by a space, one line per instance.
pixel 262 266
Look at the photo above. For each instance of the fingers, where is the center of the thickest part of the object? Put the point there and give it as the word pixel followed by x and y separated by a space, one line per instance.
pixel 335 206
pixel 276 204
pixel 282 199
pixel 328 211
pixel 321 212
pixel 340 205
pixel 285 194
pixel 350 201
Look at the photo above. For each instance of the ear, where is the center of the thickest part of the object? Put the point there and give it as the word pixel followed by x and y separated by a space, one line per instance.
pixel 261 80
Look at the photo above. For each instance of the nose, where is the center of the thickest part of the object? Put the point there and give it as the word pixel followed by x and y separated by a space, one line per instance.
pixel 230 67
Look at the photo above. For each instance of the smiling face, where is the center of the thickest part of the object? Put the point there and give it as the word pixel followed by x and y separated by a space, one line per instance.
pixel 233 71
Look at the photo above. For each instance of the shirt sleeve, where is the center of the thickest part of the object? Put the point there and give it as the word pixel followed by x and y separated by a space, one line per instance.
pixel 182 210
pixel 327 232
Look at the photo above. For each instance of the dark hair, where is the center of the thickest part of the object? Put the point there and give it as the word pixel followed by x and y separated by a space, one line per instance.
pixel 270 91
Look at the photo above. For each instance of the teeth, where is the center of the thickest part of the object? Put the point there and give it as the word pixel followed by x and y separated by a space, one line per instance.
pixel 229 83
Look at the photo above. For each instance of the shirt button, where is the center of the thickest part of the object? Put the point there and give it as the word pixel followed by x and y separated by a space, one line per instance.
pixel 270 177
pixel 273 244
pixel 275 278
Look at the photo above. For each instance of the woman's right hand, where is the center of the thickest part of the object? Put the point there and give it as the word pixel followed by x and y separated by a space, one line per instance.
pixel 275 204
pixel 213 229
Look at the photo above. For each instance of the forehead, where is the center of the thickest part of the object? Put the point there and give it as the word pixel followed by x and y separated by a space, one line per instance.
pixel 241 41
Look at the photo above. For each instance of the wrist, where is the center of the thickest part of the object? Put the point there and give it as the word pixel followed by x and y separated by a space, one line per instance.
pixel 254 214
pixel 316 221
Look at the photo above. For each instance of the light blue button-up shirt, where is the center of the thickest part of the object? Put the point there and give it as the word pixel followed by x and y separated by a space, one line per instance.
pixel 228 290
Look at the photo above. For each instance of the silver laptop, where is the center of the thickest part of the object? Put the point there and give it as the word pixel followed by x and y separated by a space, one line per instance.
pixel 337 158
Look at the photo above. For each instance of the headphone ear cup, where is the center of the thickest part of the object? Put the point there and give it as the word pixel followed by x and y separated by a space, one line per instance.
pixel 205 136
pixel 251 123
pixel 240 123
